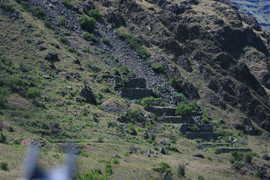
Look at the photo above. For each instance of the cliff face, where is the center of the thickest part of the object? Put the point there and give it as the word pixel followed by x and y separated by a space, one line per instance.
pixel 260 9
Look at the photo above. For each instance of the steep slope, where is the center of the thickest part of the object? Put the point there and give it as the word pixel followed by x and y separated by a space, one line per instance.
pixel 215 46
pixel 113 87
pixel 260 9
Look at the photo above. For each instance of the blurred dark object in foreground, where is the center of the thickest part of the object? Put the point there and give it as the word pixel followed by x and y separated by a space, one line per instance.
pixel 34 172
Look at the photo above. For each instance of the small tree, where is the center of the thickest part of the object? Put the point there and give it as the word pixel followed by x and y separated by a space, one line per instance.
pixel 164 168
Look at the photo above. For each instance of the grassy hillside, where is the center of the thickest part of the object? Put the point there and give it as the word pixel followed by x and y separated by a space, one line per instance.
pixel 45 63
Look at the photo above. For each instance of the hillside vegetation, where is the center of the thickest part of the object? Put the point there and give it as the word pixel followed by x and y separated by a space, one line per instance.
pixel 155 89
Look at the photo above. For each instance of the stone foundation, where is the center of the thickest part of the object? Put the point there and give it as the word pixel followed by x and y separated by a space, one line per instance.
pixel 202 135
pixel 132 93
pixel 160 111
pixel 177 119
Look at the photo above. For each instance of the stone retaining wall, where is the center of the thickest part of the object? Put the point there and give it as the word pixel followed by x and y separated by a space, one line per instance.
pixel 202 135
pixel 132 93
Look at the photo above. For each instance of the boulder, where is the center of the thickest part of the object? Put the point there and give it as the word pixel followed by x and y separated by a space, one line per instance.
pixel 115 18
pixel 184 63
pixel 266 157
pixel 161 150
pixel 51 56
pixel 87 94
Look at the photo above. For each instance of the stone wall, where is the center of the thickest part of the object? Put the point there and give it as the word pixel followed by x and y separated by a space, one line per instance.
pixel 132 93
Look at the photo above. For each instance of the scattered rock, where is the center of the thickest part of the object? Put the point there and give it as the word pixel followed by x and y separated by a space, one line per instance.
pixel 77 61
pixel 116 156
pixel 266 157
pixel 69 87
pixel 51 56
pixel 165 143
pixel 199 156
pixel 148 152
pixel 161 150
pixel 133 149
pixel 87 94
pixel 41 48
pixel 47 77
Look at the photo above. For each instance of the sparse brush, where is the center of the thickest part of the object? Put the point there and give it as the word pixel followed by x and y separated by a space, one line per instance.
pixel 4 166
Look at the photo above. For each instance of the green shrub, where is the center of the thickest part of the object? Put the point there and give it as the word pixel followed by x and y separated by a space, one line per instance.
pixel 173 139
pixel 147 102
pixel 92 175
pixel 237 156
pixel 238 165
pixel 105 40
pixel 100 140
pixel 33 93
pixel 3 138
pixel 217 151
pixel 67 3
pixel 48 24
pixel 260 174
pixel 248 158
pixel 7 65
pixel 176 84
pixel 115 161
pixel 221 121
pixel 89 37
pixel 88 24
pixel 179 97
pixel 7 7
pixel 18 84
pixel 163 168
pixel 4 166
pixel 201 178
pixel 173 148
pixel 37 12
pixel 95 13
pixel 186 110
pixel 158 68
pixel 194 128
pixel 180 170
pixel 132 116
pixel 115 71
pixel 3 98
pixel 62 20
pixel 108 169
pixel 124 70
pixel 10 129
pixel 224 133
pixel 132 129
pixel 122 83
pixel 63 40
pixel 206 120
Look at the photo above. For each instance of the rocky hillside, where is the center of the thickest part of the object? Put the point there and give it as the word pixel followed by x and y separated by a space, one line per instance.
pixel 144 89
pixel 259 9
pixel 218 51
